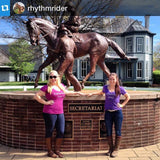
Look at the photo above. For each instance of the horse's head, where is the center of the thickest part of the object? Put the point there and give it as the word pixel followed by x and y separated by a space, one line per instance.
pixel 33 30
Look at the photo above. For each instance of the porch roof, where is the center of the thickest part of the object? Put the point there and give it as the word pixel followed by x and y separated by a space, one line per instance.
pixel 109 57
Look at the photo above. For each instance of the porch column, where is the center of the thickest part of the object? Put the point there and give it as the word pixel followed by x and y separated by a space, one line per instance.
pixel 134 71
pixel 119 70
pixel 78 68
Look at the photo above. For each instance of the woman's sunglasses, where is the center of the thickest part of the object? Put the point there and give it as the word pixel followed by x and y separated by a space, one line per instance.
pixel 52 77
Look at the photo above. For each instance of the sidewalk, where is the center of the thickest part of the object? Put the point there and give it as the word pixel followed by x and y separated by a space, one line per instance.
pixel 141 153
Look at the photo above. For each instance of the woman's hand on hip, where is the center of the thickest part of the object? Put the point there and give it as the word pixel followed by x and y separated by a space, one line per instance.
pixel 120 105
pixel 50 102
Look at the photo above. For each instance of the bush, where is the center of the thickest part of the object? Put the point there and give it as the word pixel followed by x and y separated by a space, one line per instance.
pixel 156 77
pixel 136 84
pixel 94 83
pixel 64 81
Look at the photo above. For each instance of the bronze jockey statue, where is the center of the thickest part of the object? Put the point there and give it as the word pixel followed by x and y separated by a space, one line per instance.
pixel 74 20
pixel 66 48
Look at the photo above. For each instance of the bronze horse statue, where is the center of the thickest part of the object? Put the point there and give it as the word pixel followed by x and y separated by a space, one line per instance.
pixel 90 43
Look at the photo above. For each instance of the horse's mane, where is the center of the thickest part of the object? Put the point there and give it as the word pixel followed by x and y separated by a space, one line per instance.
pixel 44 24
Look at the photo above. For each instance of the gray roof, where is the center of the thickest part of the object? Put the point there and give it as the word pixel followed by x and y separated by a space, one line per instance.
pixel 119 25
pixel 4 58
pixel 136 26
pixel 111 25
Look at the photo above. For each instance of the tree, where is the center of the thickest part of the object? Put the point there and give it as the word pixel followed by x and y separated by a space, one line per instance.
pixel 21 57
pixel 88 9
pixel 156 58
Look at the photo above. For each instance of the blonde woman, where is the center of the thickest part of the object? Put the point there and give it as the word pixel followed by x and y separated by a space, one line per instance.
pixel 53 113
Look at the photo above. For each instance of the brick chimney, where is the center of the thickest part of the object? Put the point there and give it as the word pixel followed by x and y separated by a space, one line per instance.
pixel 147 21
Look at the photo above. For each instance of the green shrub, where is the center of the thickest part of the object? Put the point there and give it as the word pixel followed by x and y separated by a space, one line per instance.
pixel 64 81
pixel 99 84
pixel 94 83
pixel 156 77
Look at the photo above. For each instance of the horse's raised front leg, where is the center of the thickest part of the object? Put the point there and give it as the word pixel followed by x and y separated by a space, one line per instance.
pixel 93 62
pixel 48 61
pixel 103 66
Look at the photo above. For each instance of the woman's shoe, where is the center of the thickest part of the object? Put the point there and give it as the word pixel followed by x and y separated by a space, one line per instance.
pixel 52 154
pixel 110 144
pixel 60 155
pixel 57 147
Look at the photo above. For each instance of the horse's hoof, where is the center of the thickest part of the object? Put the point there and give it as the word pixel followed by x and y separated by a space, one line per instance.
pixel 82 86
pixel 35 85
pixel 126 57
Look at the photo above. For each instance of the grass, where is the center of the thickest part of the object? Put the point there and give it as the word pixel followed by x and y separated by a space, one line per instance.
pixel 10 90
pixel 21 83
pixel 41 83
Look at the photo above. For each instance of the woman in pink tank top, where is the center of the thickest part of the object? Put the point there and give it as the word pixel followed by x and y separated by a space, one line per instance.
pixel 54 92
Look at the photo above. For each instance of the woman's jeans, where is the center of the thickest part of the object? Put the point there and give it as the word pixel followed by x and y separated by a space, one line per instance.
pixel 115 118
pixel 52 121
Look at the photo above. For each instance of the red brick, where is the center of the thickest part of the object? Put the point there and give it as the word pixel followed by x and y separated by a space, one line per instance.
pixel 22 125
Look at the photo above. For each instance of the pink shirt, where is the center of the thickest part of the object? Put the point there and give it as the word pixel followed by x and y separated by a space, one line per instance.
pixel 57 97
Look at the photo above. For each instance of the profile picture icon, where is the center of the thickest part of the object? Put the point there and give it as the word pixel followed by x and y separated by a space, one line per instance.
pixel 18 8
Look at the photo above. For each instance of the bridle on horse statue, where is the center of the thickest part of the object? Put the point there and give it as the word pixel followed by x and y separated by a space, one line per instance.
pixel 37 29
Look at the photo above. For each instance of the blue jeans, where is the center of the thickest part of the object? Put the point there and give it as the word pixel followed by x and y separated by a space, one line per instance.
pixel 52 121
pixel 115 118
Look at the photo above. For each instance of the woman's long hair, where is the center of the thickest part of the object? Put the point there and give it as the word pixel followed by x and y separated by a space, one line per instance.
pixel 58 81
pixel 117 86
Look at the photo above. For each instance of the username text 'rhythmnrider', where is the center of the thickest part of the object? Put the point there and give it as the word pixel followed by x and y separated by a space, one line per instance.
pixel 46 8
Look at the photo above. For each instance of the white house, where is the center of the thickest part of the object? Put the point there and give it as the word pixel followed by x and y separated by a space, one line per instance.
pixel 137 42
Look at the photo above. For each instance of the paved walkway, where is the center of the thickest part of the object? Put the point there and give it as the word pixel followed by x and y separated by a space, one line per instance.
pixel 142 153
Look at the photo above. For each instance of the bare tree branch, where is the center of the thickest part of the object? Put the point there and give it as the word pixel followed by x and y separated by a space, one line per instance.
pixel 91 12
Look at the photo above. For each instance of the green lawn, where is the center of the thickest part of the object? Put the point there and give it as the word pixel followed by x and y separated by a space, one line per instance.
pixel 21 83
pixel 32 84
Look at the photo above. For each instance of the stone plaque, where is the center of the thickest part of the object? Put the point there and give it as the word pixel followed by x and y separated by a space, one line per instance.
pixel 86 124
pixel 102 129
pixel 68 129
pixel 85 107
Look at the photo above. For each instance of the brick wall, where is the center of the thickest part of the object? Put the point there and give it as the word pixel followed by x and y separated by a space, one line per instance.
pixel 22 125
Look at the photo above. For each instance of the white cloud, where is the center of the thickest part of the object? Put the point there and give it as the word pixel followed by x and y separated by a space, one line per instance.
pixel 6 40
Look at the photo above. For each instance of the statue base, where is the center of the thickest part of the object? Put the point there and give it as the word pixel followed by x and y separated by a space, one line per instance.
pixel 22 124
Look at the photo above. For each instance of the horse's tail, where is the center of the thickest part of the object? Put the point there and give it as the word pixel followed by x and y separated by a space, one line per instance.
pixel 117 48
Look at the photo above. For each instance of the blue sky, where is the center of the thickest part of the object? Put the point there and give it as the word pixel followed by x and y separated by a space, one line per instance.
pixel 154 23
pixel 5 28
pixel 153 27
